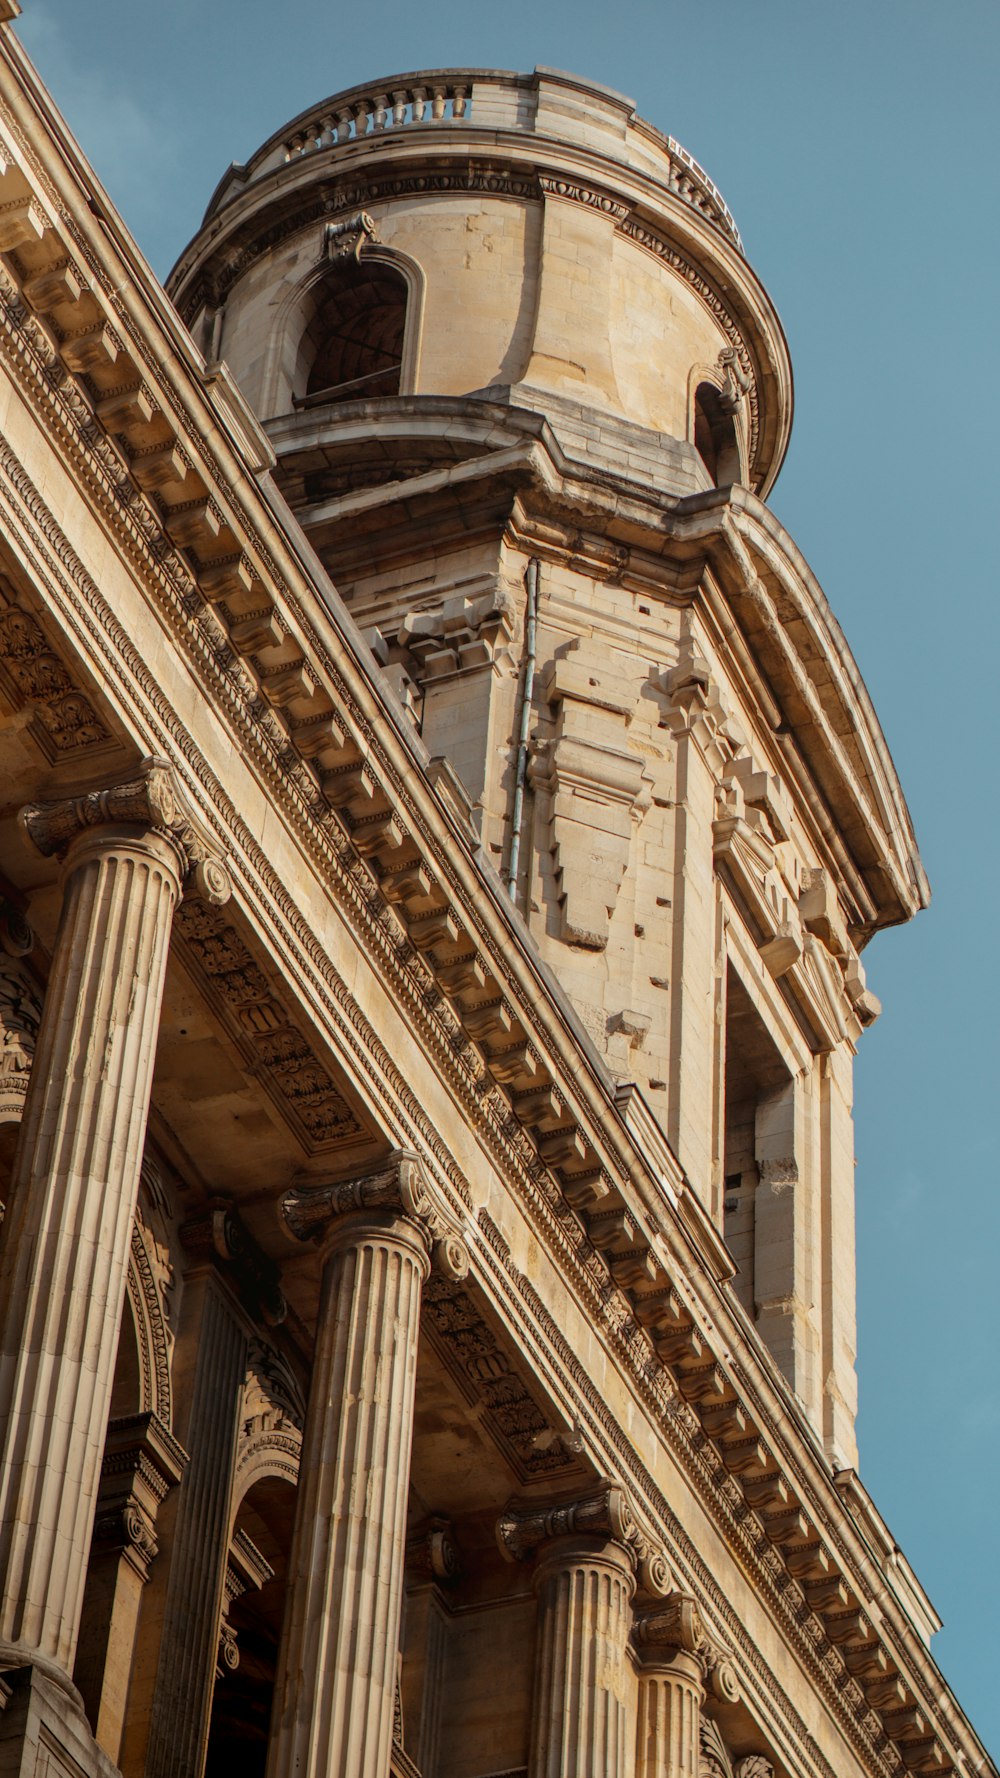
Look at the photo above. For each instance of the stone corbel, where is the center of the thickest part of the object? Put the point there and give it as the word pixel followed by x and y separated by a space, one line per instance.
pixel 346 239
pixel 142 1462
pixel 151 800
pixel 744 847
pixel 247 1570
pixel 460 635
pixel 604 1514
pixel 737 380
pixel 395 1187
pixel 694 708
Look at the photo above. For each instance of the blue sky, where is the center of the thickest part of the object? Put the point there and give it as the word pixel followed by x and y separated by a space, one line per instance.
pixel 856 145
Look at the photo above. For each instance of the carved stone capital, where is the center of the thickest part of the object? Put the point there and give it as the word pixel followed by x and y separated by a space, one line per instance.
pixel 150 800
pixel 676 1627
pixel 604 1514
pixel 395 1187
pixel 432 1552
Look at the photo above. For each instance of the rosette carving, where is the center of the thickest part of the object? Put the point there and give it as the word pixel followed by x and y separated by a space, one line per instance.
pixel 150 800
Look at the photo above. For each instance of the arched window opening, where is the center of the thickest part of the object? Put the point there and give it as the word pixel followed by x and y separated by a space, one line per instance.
pixel 715 436
pixel 244 1689
pixel 357 330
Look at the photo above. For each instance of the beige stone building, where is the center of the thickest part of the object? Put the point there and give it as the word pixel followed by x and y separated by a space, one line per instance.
pixel 441 822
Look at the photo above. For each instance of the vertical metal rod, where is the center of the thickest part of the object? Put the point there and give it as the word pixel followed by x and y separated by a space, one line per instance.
pixel 524 719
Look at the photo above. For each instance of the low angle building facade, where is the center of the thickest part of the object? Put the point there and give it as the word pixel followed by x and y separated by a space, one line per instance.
pixel 442 820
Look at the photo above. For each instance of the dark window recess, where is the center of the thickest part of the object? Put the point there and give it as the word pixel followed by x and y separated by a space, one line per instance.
pixel 715 436
pixel 358 327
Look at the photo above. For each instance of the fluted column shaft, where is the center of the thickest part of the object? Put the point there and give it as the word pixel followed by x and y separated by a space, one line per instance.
pixel 670 1699
pixel 66 1236
pixel 337 1667
pixel 583 1679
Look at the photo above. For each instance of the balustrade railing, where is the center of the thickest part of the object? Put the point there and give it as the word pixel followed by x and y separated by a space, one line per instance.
pixel 369 112
pixel 493 99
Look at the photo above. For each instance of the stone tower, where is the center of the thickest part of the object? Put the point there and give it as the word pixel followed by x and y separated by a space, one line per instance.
pixel 527 398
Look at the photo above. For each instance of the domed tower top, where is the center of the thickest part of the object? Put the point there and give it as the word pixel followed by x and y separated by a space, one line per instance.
pixel 524 237
pixel 526 397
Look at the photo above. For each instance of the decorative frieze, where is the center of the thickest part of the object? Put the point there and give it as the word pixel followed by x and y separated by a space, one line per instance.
pixel 64 720
pixel 487 1371
pixel 300 1084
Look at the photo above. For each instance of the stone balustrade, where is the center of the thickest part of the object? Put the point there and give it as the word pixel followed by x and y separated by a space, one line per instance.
pixel 490 98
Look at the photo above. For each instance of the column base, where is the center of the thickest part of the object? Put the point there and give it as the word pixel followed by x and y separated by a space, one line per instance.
pixel 43 1728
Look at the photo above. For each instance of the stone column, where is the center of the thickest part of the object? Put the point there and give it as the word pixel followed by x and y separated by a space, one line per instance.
pixel 679 1665
pixel 585 1578
pixel 336 1678
pixel 670 1641
pixel 66 1236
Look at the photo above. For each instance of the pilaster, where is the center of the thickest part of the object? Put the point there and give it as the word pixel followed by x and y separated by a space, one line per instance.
pixel 142 1462
pixel 694 717
pixel 182 1700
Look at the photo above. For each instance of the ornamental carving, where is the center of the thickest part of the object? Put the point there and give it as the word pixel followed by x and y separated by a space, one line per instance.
pixel 277 1050
pixel 675 1626
pixel 150 1284
pixel 64 720
pixel 345 239
pixel 272 1415
pixel 395 1187
pixel 472 1352
pixel 20 1013
pixel 716 1761
pixel 605 1513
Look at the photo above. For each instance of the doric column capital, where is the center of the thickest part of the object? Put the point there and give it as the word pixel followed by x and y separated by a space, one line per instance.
pixel 151 800
pixel 395 1187
pixel 673 1632
pixel 604 1514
